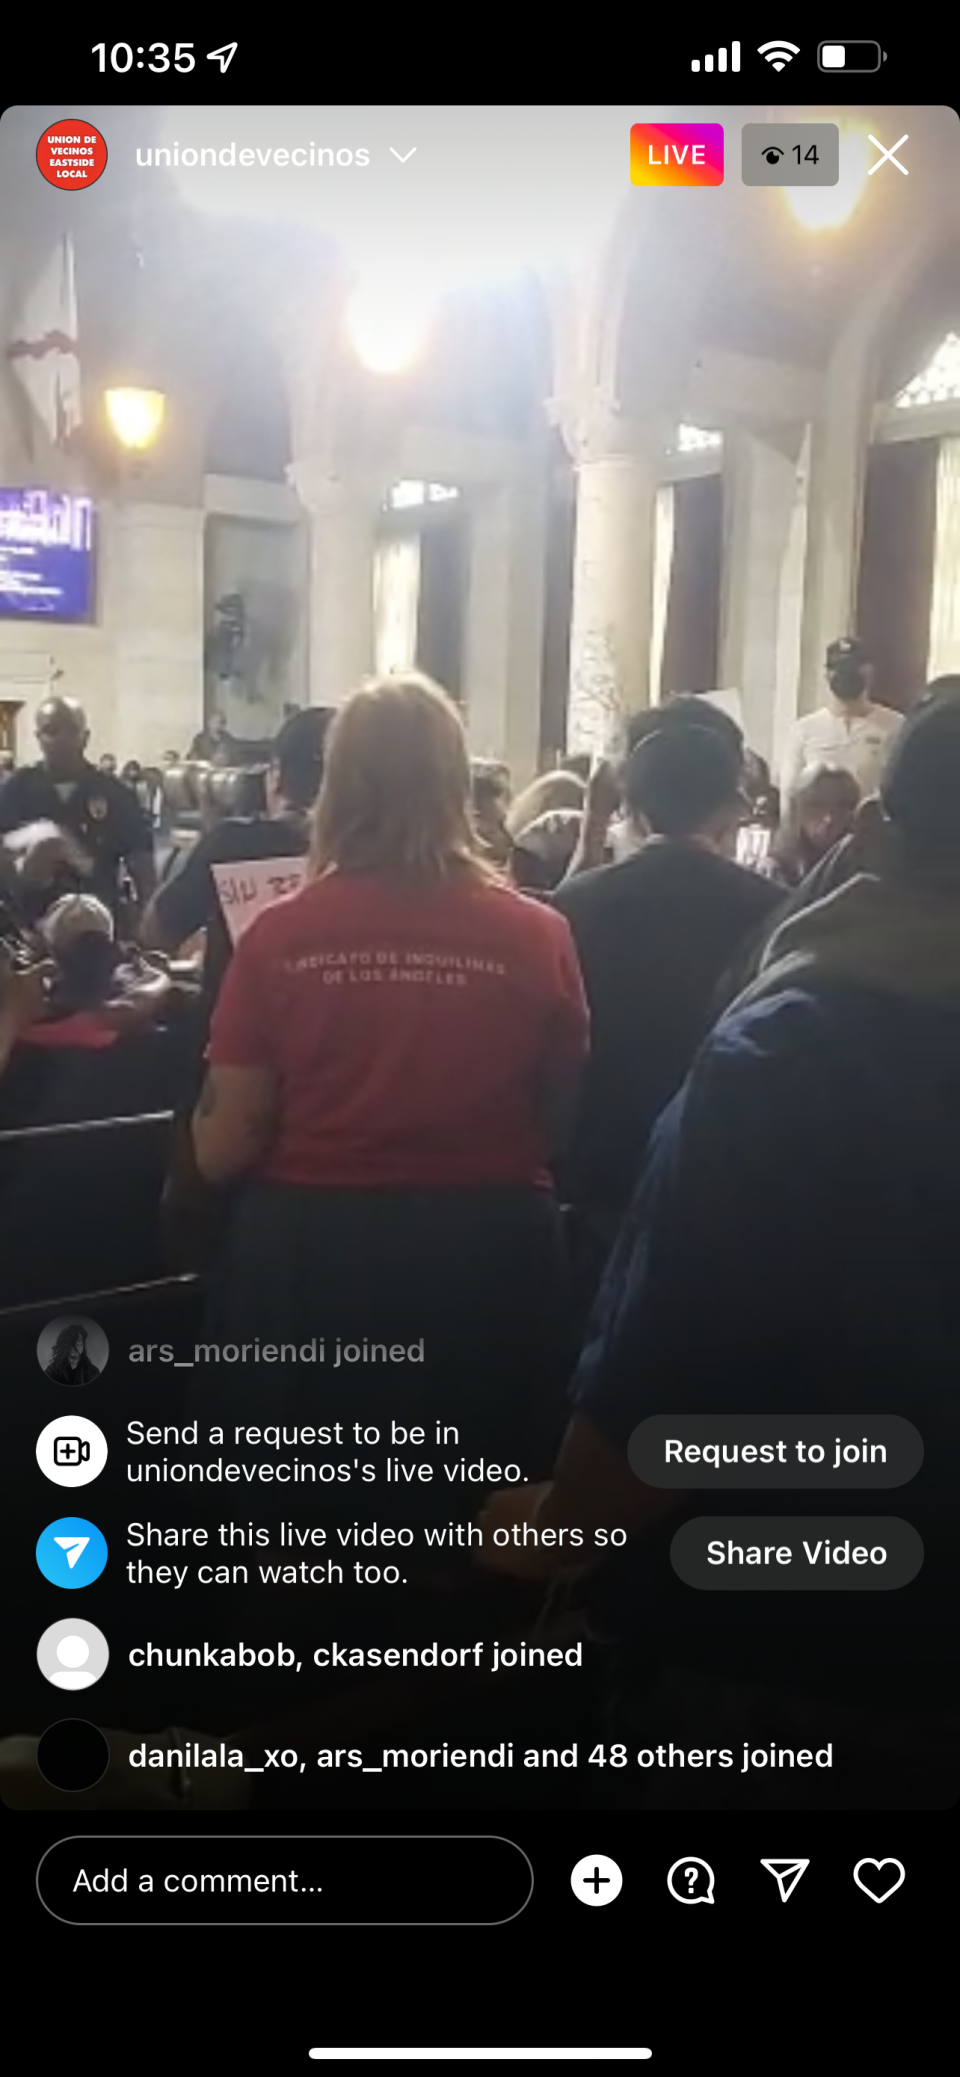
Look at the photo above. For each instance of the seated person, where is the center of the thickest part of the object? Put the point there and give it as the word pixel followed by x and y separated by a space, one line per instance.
pixel 490 797
pixel 544 824
pixel 821 814
pixel 541 855
pixel 23 986
pixel 99 988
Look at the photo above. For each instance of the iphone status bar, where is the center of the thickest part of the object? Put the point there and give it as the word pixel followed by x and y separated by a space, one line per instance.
pixel 137 65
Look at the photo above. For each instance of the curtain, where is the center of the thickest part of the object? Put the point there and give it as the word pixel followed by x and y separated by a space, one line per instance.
pixel 944 649
pixel 396 595
pixel 440 606
pixel 896 566
pixel 691 638
pixel 557 610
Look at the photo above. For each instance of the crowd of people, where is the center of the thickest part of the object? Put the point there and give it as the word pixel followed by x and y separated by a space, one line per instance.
pixel 644 1079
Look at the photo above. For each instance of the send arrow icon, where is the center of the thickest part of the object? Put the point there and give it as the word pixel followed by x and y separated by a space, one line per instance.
pixel 786 1875
pixel 83 1546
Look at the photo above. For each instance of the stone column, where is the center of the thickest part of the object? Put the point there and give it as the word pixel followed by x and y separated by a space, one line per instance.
pixel 343 511
pixel 839 445
pixel 153 603
pixel 503 633
pixel 612 616
pixel 764 498
pixel 944 650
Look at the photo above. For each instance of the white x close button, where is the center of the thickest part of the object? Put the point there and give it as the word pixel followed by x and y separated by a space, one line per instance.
pixel 888 156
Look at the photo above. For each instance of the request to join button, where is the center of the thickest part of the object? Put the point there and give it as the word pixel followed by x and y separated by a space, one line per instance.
pixel 810 1554
pixel 338 1881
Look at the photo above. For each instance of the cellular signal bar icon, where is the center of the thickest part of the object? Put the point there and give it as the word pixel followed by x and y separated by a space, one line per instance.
pixel 721 61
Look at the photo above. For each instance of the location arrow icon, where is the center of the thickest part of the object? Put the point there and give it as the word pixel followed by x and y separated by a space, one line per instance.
pixel 786 1875
pixel 72 1547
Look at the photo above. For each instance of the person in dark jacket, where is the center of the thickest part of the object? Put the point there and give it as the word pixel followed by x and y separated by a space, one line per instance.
pixel 820 1125
pixel 655 934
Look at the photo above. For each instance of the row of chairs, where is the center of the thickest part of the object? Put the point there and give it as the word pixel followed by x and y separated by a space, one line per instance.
pixel 80 1207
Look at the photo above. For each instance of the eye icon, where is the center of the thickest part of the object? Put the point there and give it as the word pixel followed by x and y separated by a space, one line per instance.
pixel 773 155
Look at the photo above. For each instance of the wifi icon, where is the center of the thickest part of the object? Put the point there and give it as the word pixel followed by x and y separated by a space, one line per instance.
pixel 778 53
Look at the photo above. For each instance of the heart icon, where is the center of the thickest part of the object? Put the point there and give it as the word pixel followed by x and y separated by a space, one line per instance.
pixel 879 1879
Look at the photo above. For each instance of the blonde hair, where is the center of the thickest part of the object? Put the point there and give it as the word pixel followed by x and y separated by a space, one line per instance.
pixel 551 790
pixel 395 797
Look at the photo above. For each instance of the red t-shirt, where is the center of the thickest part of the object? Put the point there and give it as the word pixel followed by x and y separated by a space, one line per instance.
pixel 415 1033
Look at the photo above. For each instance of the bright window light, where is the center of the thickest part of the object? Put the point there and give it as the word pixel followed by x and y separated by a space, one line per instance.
pixel 405 495
pixel 695 439
pixel 825 209
pixel 939 381
pixel 388 322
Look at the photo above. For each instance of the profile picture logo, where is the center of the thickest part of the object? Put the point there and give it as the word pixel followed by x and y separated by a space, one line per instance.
pixel 71 154
pixel 71 1452
pixel 73 1654
pixel 72 1351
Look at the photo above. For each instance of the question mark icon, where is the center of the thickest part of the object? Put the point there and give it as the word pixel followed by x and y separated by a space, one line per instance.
pixel 690 1881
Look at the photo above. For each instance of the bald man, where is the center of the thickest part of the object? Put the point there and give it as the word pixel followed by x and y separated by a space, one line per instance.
pixel 101 814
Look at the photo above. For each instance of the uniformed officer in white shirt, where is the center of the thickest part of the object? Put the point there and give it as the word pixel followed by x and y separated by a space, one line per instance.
pixel 852 734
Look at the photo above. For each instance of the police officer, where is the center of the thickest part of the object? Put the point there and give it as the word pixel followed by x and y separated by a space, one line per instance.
pixel 95 808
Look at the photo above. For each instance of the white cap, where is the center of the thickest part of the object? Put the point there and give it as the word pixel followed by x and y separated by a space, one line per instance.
pixel 75 916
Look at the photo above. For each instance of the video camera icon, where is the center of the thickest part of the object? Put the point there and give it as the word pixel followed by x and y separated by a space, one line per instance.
pixel 71 1449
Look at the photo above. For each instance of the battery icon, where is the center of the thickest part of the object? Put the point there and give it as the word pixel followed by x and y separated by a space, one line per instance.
pixel 850 55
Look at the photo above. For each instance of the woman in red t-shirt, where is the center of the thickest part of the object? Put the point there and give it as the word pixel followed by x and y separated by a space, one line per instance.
pixel 389 1057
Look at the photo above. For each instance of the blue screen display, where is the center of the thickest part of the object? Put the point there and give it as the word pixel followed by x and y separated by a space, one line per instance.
pixel 46 556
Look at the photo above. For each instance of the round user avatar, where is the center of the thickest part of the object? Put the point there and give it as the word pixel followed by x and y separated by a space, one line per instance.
pixel 71 1451
pixel 73 1654
pixel 73 1755
pixel 72 1350
pixel 72 154
pixel 71 1553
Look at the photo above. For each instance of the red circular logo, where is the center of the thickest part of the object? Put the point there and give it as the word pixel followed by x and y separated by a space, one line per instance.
pixel 71 154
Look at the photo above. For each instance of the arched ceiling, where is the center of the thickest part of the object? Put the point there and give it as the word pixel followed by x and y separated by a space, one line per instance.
pixel 728 269
pixel 767 286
